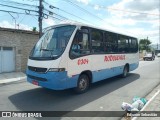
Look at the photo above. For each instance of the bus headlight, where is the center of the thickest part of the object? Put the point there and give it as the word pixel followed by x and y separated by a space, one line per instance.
pixel 56 69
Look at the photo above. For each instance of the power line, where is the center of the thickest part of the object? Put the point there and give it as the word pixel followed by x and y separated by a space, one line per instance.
pixel 34 17
pixel 57 18
pixel 122 10
pixel 18 8
pixel 13 2
pixel 17 12
pixel 51 6
pixel 21 19
pixel 62 18
pixel 65 18
pixel 74 15
pixel 40 12
pixel 132 11
pixel 13 18
pixel 82 9
pixel 51 13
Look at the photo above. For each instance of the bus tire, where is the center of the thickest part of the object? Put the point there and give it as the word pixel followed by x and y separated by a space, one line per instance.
pixel 125 71
pixel 82 84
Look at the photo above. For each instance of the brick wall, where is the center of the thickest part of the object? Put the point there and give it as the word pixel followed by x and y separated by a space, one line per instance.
pixel 22 41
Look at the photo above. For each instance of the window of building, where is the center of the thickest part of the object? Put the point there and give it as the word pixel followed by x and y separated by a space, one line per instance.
pixel 7 48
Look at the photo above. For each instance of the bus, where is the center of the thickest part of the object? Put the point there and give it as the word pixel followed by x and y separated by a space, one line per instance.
pixel 74 55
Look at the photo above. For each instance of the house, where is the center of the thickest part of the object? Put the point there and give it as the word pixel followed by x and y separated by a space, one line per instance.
pixel 15 46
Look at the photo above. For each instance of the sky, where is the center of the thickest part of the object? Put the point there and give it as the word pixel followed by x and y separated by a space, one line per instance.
pixel 138 18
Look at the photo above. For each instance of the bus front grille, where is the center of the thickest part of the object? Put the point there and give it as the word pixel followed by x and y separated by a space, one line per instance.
pixel 37 78
pixel 37 69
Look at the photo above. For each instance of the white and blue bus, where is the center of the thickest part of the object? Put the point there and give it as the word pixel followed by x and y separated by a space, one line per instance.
pixel 73 55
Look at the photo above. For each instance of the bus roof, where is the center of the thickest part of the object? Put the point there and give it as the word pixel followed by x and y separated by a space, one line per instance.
pixel 86 25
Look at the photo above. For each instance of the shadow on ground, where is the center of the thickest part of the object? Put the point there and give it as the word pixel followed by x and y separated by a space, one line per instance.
pixel 42 99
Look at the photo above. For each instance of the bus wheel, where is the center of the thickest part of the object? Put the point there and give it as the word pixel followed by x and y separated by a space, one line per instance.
pixel 125 71
pixel 82 84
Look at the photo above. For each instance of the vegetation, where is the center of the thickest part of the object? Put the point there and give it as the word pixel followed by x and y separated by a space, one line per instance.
pixel 34 29
pixel 144 45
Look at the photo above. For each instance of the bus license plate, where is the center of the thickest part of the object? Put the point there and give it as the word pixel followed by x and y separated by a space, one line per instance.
pixel 35 82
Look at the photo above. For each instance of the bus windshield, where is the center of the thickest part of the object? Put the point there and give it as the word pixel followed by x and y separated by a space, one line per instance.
pixel 52 44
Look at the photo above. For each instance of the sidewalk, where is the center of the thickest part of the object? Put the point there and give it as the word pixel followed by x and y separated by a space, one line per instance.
pixel 153 105
pixel 11 77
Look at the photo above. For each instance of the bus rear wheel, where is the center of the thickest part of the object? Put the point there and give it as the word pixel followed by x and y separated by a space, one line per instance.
pixel 125 71
pixel 82 84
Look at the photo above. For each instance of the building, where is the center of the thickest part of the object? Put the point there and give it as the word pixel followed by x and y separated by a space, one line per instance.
pixel 15 46
pixel 156 47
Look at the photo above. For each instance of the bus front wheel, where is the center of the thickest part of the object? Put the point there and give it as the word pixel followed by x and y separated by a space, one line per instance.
pixel 82 84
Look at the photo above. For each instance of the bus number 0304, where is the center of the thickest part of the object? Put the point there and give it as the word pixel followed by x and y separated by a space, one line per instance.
pixel 83 61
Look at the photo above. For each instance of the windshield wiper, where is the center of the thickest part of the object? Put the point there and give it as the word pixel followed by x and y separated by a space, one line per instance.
pixel 46 49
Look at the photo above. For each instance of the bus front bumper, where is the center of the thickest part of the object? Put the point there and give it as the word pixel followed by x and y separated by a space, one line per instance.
pixel 51 80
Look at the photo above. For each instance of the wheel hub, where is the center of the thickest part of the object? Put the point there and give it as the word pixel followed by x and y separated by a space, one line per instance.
pixel 82 84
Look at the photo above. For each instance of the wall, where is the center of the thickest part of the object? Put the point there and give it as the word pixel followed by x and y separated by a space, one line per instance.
pixel 22 41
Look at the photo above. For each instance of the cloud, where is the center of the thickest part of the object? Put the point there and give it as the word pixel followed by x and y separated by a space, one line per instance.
pixel 6 24
pixel 121 30
pixel 96 7
pixel 24 27
pixel 84 1
pixel 67 21
pixel 137 5
pixel 141 5
pixel 140 33
pixel 119 21
pixel 132 14
pixel 49 22
pixel 135 9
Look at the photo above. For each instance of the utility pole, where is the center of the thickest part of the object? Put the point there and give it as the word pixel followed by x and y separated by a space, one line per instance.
pixel 40 17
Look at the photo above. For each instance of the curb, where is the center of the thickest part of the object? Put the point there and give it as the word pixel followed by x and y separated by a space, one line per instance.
pixel 5 81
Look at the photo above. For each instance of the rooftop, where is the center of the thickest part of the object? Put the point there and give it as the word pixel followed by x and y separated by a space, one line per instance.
pixel 19 31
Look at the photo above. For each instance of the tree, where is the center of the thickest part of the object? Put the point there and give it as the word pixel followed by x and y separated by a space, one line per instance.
pixel 144 44
pixel 34 29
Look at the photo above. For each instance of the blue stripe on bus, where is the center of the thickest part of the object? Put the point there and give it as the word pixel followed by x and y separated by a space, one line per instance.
pixel 133 66
pixel 107 73
pixel 60 80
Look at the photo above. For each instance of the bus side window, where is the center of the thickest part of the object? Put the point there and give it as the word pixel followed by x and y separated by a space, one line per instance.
pixel 110 42
pixel 80 45
pixel 97 41
pixel 123 44
pixel 133 45
pixel 85 44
